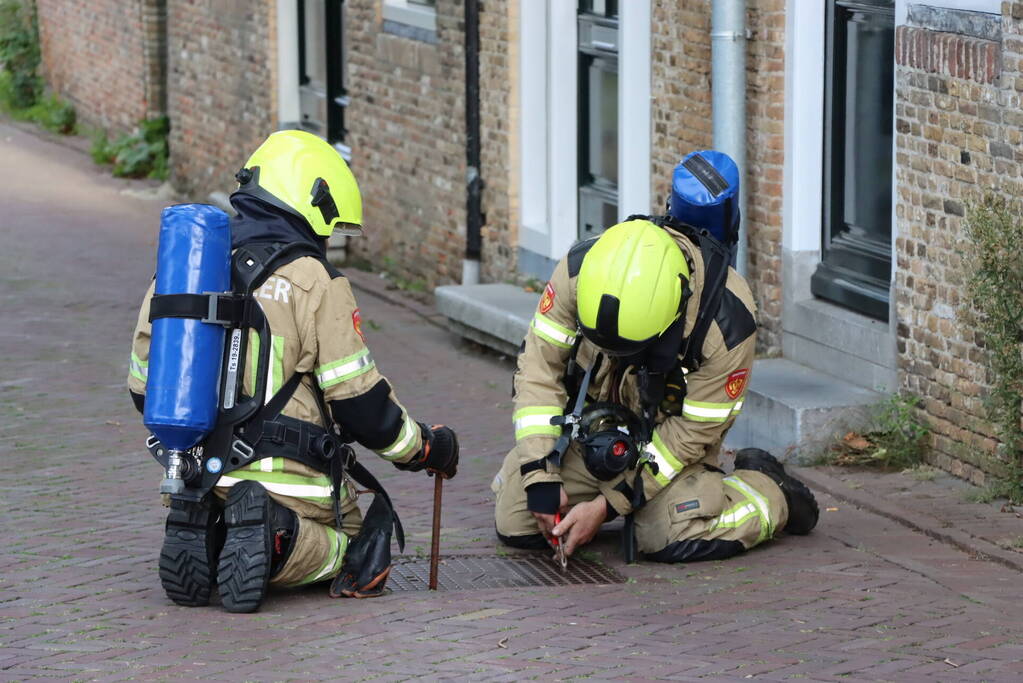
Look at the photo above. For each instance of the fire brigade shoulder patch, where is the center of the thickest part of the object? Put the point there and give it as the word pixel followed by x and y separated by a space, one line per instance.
pixel 688 505
pixel 736 382
pixel 357 323
pixel 547 300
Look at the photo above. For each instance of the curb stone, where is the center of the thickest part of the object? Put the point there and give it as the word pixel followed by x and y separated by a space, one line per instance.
pixel 926 524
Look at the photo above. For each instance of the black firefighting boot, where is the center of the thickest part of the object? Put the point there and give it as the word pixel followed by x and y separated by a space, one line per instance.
pixel 803 510
pixel 193 536
pixel 260 533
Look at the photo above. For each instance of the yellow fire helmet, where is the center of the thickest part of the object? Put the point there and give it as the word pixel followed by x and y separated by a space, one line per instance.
pixel 304 175
pixel 632 285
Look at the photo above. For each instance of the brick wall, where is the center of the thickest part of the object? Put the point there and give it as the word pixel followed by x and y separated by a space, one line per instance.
pixel 499 122
pixel 221 91
pixel 682 117
pixel 104 57
pixel 958 134
pixel 407 124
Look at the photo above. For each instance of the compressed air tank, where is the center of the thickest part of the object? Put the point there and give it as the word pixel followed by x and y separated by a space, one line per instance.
pixel 705 194
pixel 185 354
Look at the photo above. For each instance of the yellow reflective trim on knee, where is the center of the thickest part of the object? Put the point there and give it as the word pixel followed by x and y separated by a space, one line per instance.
pixel 332 565
pixel 733 518
pixel 763 508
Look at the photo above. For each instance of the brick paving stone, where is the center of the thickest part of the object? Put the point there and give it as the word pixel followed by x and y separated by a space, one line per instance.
pixel 863 597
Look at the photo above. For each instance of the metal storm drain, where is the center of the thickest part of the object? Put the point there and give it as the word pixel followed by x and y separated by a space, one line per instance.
pixel 472 572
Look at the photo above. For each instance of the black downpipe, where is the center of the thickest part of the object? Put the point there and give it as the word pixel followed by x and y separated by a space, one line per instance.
pixel 474 180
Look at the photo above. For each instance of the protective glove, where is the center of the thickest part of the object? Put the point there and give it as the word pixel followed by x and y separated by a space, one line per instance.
pixel 439 454
pixel 367 561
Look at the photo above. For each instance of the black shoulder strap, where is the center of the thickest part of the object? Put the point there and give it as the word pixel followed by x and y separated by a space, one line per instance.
pixel 254 262
pixel 576 254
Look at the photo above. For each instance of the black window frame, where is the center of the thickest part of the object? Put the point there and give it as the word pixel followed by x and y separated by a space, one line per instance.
pixel 855 268
pixel 592 190
pixel 337 99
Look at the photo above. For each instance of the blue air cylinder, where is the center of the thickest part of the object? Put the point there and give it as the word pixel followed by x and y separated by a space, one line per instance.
pixel 705 194
pixel 185 354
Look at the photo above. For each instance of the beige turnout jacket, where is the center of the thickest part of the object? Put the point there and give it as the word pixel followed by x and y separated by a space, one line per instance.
pixel 713 398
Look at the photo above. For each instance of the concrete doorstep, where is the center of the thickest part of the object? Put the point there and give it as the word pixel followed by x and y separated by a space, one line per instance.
pixel 789 409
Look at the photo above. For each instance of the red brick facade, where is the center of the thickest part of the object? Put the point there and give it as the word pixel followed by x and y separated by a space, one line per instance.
pixel 105 57
pixel 959 131
pixel 682 116
pixel 408 143
pixel 958 135
pixel 221 95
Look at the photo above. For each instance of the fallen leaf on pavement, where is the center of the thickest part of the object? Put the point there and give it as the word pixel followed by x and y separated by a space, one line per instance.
pixel 856 441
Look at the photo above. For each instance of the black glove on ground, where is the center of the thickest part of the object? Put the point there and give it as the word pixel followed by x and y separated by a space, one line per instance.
pixel 368 558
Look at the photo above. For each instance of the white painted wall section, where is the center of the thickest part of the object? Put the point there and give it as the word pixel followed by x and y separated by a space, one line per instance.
pixel 804 125
pixel 288 104
pixel 634 108
pixel 563 89
pixel 535 232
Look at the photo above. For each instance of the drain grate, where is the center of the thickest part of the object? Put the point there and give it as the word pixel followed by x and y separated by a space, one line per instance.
pixel 471 572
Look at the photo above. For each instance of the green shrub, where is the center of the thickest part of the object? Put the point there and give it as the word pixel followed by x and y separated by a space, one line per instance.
pixel 52 113
pixel 993 306
pixel 901 437
pixel 140 154
pixel 19 54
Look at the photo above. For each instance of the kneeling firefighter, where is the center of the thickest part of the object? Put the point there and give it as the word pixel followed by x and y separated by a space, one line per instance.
pixel 634 367
pixel 250 368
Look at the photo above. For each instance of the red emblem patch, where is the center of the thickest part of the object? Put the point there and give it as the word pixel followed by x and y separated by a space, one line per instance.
pixel 547 300
pixel 357 323
pixel 736 382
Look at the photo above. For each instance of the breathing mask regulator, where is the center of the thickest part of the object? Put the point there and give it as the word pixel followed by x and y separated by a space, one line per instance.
pixel 608 435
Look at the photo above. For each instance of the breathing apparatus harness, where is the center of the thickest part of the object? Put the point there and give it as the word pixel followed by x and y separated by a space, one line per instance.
pixel 248 429
pixel 611 435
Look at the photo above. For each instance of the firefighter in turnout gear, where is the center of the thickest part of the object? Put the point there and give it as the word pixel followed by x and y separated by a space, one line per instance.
pixel 634 367
pixel 282 519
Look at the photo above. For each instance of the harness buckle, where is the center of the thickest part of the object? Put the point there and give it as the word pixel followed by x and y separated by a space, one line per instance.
pixel 213 314
pixel 242 449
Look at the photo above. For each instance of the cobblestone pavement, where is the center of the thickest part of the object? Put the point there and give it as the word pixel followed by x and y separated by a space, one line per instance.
pixel 862 598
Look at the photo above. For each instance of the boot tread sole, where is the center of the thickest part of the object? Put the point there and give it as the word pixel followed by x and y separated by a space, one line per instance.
pixel 244 568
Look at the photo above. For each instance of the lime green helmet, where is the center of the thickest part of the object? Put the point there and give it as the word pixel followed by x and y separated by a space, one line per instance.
pixel 304 175
pixel 632 285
